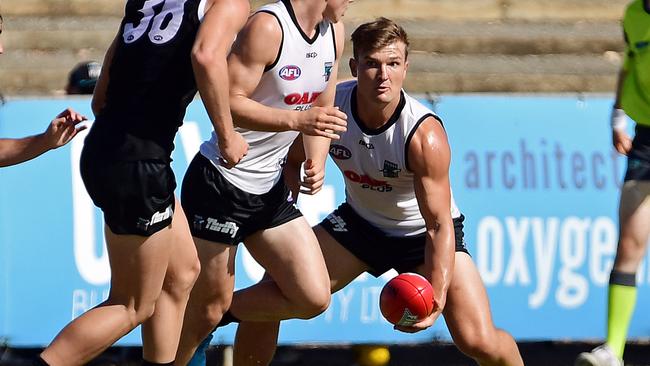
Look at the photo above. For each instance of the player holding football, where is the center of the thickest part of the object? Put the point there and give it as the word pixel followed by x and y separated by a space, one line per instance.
pixel 399 212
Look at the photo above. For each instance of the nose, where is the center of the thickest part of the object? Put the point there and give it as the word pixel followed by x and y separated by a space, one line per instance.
pixel 383 72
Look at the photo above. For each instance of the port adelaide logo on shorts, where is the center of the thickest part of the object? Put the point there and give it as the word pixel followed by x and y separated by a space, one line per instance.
pixel 290 72
pixel 340 152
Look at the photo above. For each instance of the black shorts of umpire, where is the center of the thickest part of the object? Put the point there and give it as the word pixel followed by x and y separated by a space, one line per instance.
pixel 381 252
pixel 220 212
pixel 137 197
pixel 638 160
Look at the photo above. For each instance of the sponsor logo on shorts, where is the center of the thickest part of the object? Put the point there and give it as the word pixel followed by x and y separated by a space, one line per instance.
pixel 290 72
pixel 227 227
pixel 340 152
pixel 159 216
pixel 337 223
pixel 162 216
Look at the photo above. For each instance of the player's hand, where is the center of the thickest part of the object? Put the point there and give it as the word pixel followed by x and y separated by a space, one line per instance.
pixel 424 324
pixel 233 148
pixel 322 121
pixel 314 178
pixel 622 141
pixel 63 128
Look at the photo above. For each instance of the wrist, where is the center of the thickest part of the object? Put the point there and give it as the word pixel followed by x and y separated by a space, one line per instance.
pixel 618 119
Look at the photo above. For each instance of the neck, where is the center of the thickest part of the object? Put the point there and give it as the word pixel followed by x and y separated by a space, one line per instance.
pixel 308 15
pixel 375 114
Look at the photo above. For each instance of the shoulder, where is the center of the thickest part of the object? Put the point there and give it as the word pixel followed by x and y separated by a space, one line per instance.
pixel 428 146
pixel 260 38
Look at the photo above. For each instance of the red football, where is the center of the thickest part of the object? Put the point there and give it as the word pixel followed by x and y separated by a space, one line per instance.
pixel 406 299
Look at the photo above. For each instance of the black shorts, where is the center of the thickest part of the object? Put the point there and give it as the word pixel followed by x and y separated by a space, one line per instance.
pixel 638 161
pixel 137 197
pixel 378 250
pixel 220 212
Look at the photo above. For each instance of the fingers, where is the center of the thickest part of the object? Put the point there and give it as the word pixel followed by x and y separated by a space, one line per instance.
pixel 70 114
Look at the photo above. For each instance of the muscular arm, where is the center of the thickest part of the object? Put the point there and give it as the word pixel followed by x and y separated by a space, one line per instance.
pixel 317 147
pixel 257 47
pixel 429 158
pixel 222 21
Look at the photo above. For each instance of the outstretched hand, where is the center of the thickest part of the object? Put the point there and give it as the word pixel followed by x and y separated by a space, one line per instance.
pixel 63 128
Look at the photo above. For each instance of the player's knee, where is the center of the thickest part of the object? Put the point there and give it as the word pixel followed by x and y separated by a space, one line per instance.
pixel 180 284
pixel 141 312
pixel 480 344
pixel 214 311
pixel 316 303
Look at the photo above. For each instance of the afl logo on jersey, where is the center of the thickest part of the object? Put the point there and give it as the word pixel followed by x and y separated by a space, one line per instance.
pixel 340 152
pixel 290 72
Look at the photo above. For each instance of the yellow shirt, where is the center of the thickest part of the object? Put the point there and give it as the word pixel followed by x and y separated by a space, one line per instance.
pixel 635 97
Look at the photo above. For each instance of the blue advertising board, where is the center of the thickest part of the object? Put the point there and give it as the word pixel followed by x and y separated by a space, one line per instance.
pixel 536 178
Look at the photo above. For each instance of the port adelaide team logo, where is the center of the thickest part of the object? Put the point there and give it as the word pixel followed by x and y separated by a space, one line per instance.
pixel 340 152
pixel 328 70
pixel 391 170
pixel 290 72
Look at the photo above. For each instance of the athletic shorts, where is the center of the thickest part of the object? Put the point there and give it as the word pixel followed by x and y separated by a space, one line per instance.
pixel 220 212
pixel 638 161
pixel 137 197
pixel 379 251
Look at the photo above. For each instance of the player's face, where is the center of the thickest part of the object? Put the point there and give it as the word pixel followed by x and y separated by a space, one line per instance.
pixel 336 9
pixel 380 74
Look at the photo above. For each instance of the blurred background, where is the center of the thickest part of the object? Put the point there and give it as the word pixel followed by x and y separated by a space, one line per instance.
pixel 525 88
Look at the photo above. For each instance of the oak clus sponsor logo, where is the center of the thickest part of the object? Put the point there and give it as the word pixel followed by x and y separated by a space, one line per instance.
pixel 340 152
pixel 301 98
pixel 290 72
pixel 368 182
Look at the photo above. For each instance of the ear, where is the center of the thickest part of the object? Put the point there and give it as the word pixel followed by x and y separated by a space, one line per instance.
pixel 353 66
pixel 406 67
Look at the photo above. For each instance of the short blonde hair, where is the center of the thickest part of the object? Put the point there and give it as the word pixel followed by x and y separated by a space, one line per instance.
pixel 377 34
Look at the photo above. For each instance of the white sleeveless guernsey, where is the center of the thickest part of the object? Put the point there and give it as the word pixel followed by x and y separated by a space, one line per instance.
pixel 374 163
pixel 300 73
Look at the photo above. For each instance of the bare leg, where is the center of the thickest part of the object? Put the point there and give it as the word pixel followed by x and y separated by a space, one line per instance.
pixel 138 267
pixel 634 214
pixel 291 256
pixel 210 297
pixel 161 333
pixel 467 314
pixel 256 342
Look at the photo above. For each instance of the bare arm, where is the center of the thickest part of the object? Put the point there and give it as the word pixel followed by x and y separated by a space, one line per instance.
pixel 60 131
pixel 256 48
pixel 620 139
pixel 99 95
pixel 222 21
pixel 429 158
pixel 317 147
